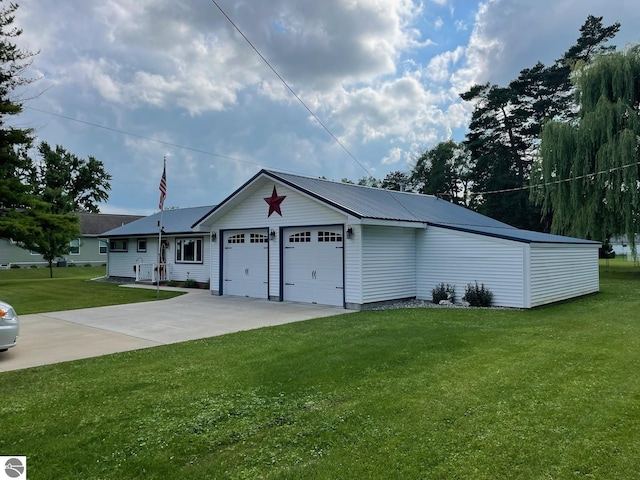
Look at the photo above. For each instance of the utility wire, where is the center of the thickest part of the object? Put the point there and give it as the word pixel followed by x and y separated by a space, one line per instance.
pixel 322 124
pixel 142 136
pixel 554 182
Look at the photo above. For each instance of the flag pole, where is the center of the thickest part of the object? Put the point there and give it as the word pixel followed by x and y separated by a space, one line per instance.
pixel 163 195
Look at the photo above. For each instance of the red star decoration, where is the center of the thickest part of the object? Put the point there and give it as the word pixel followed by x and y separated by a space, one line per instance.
pixel 274 202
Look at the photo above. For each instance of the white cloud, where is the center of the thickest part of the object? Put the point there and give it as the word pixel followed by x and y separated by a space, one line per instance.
pixel 179 72
pixel 394 156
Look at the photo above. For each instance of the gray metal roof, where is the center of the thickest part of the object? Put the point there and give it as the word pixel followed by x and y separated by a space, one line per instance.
pixel 358 201
pixel 175 221
pixel 376 203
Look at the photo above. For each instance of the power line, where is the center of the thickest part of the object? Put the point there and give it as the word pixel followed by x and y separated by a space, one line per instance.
pixel 555 182
pixel 322 124
pixel 226 157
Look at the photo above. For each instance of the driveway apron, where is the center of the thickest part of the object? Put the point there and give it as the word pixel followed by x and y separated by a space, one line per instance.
pixel 75 334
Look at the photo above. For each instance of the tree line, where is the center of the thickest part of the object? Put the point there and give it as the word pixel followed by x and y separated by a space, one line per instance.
pixel 556 150
pixel 39 197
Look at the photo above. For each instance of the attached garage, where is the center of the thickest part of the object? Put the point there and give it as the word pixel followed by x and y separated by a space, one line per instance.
pixel 313 265
pixel 291 238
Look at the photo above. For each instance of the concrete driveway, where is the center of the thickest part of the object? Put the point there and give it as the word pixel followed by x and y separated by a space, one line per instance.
pixel 71 335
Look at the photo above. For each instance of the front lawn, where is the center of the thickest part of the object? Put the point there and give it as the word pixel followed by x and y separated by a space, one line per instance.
pixel 428 393
pixel 30 290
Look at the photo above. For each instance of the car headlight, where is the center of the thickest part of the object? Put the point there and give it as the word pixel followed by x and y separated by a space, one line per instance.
pixel 7 314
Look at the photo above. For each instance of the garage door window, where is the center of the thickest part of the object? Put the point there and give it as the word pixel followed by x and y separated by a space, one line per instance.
pixel 329 237
pixel 189 250
pixel 258 238
pixel 239 238
pixel 302 237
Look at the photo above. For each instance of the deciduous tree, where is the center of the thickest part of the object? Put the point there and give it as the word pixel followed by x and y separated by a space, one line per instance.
pixel 66 184
pixel 592 166
pixel 444 171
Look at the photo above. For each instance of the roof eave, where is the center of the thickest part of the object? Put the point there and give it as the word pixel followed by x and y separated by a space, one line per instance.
pixel 511 237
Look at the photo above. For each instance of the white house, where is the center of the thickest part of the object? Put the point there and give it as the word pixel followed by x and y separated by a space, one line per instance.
pixel 286 237
pixel 133 248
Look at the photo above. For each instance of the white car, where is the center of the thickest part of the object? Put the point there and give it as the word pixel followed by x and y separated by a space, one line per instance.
pixel 9 327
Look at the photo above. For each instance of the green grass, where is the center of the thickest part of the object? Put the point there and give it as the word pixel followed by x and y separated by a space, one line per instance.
pixel 30 290
pixel 551 393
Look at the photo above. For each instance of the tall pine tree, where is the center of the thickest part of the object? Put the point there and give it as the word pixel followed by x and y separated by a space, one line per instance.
pixel 15 165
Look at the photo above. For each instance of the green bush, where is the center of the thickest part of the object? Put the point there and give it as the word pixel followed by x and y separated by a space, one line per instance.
pixel 478 296
pixel 13 265
pixel 172 283
pixel 443 292
pixel 190 283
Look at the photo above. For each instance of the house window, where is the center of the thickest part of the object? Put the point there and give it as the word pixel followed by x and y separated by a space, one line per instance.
pixel 102 247
pixel 119 245
pixel 142 245
pixel 74 247
pixel 189 250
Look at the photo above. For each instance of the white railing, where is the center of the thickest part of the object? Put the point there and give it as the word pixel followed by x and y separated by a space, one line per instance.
pixel 148 272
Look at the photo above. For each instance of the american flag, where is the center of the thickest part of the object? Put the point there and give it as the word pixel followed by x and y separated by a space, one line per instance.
pixel 163 186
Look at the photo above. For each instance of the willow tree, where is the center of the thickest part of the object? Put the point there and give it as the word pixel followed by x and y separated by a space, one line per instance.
pixel 590 167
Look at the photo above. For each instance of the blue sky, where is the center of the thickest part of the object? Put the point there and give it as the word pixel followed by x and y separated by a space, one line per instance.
pixel 132 82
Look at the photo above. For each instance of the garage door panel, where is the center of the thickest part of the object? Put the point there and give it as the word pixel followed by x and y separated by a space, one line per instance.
pixel 245 267
pixel 313 265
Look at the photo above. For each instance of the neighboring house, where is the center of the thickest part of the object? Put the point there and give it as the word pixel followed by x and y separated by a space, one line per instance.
pixel 294 238
pixel 622 248
pixel 86 250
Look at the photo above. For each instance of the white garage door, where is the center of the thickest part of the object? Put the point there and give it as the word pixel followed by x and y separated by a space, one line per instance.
pixel 313 265
pixel 245 267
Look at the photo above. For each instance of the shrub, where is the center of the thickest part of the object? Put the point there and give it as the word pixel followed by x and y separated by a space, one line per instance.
pixel 172 283
pixel 478 296
pixel 190 283
pixel 13 265
pixel 443 292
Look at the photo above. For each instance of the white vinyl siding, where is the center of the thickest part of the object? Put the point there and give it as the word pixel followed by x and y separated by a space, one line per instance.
pixel 559 272
pixel 353 268
pixel 388 263
pixel 461 258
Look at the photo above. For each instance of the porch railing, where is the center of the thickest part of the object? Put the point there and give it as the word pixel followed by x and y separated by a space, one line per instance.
pixel 148 272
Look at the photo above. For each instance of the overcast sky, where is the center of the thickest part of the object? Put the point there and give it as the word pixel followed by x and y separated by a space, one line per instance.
pixel 130 82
